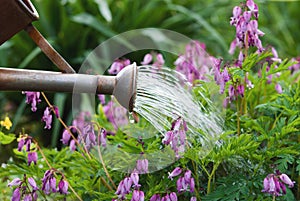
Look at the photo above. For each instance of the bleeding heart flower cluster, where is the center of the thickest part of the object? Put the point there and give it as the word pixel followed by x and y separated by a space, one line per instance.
pixel 127 185
pixel 49 183
pixel 118 65
pixel 185 183
pixel 274 184
pixel 176 137
pixel 195 63
pixel 247 32
pixel 115 114
pixel 84 128
pixel 26 141
pixel 33 98
pixel 149 59
pixel 25 189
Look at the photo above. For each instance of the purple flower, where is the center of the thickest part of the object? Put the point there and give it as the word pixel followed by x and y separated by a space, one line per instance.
pixel 56 111
pixel 179 184
pixel 16 195
pixel 231 92
pixel 63 187
pixel 138 195
pixel 127 184
pixel 142 166
pixel 237 11
pixel 173 196
pixel 193 199
pixel 49 182
pixel 27 143
pixel 188 176
pixel 168 137
pixel 135 179
pixel 47 118
pixel 32 98
pixel 88 136
pixel 155 197
pixel 241 90
pixel 253 8
pixel 221 77
pixel 32 183
pixel 52 182
pixel 120 190
pixel 192 185
pixel 124 187
pixel 177 171
pixel 118 65
pixel 226 101
pixel 159 60
pixel 147 59
pixel 285 179
pixel 81 119
pixel 65 137
pixel 233 45
pixel 21 144
pixel 14 182
pixel 278 88
pixel 116 114
pixel 176 136
pixel 166 198
pixel 101 98
pixel 275 55
pixel 27 197
pixel 32 157
pixel 294 68
pixel 72 145
pixel 102 139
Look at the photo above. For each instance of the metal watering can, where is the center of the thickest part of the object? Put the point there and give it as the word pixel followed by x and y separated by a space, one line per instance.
pixel 17 15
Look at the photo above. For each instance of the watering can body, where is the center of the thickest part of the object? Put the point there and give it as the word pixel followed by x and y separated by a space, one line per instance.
pixel 15 16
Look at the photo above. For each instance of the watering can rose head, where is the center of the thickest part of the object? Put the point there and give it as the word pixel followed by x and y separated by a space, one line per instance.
pixel 125 86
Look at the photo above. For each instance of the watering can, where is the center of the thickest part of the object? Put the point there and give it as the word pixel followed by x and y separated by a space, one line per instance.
pixel 17 15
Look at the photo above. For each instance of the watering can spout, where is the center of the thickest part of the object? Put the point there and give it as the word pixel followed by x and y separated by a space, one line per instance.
pixel 122 86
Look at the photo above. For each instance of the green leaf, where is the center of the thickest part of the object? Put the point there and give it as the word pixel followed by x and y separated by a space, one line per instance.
pixel 199 19
pixel 253 59
pixel 104 10
pixel 6 139
pixel 284 161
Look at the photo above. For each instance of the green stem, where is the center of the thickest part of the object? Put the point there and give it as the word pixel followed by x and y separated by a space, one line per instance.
pixel 210 177
pixel 245 97
pixel 274 197
pixel 238 117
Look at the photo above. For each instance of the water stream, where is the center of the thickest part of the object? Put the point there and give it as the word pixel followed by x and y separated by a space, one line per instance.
pixel 163 95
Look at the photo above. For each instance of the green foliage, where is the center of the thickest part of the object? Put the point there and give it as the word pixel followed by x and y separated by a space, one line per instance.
pixel 6 138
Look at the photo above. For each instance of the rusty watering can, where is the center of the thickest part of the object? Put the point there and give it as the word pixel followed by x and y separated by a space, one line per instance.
pixel 17 15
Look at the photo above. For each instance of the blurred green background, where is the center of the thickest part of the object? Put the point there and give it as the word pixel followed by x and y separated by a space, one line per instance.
pixel 76 27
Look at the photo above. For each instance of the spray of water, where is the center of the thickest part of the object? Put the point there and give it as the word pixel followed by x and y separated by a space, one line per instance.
pixel 163 95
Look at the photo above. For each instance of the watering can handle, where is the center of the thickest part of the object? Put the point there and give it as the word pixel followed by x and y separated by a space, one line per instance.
pixel 17 15
pixel 50 52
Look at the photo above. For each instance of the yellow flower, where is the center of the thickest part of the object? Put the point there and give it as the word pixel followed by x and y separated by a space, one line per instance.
pixel 6 123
